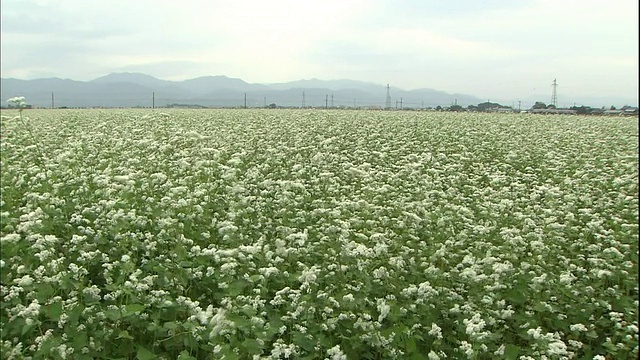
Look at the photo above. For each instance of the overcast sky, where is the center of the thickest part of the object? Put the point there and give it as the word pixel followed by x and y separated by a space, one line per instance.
pixel 487 48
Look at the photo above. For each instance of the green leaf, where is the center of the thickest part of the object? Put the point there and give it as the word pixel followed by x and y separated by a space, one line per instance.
pixel 170 325
pixel 55 310
pixel 184 355
pixel 74 315
pixel 124 335
pixel 27 328
pixel 144 354
pixel 44 291
pixel 252 346
pixel 113 314
pixel 516 297
pixel 592 334
pixel 82 357
pixel 410 344
pixel 511 352
pixel 249 311
pixel 133 309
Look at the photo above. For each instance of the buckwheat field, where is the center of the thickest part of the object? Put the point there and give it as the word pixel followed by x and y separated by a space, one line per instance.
pixel 313 234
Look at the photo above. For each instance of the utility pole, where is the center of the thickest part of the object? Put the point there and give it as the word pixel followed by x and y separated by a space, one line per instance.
pixel 303 100
pixel 519 103
pixel 245 100
pixel 332 100
pixel 554 93
pixel 387 104
pixel 326 101
pixel 153 100
pixel 400 103
pixel 52 100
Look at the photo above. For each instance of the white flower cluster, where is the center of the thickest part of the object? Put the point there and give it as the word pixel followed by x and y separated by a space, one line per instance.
pixel 393 232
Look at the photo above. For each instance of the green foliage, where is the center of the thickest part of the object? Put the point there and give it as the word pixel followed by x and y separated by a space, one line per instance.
pixel 539 105
pixel 313 235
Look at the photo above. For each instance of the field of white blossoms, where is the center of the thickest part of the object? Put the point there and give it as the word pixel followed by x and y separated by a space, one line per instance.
pixel 310 234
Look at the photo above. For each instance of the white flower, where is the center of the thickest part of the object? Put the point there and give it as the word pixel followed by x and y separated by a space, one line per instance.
pixel 384 309
pixel 535 333
pixel 467 348
pixel 578 327
pixel 11 238
pixel 18 102
pixel 336 353
pixel 474 326
pixel 348 298
pixel 435 331
pixel 24 281
pixel 557 347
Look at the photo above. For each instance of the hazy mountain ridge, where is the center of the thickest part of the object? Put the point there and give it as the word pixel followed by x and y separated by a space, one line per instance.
pixel 137 89
pixel 142 90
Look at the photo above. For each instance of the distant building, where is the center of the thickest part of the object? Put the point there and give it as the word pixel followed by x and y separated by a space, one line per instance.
pixel 613 112
pixel 553 111
pixel 629 110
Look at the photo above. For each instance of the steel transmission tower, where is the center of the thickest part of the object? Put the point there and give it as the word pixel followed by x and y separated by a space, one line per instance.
pixel 388 103
pixel 554 94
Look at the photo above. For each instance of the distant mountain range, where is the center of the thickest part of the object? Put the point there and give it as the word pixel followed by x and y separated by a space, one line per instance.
pixel 141 90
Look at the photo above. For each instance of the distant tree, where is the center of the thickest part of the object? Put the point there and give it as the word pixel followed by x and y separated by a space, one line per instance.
pixel 438 108
pixel 271 106
pixel 551 106
pixel 488 105
pixel 581 109
pixel 612 107
pixel 539 105
pixel 456 108
pixel 472 108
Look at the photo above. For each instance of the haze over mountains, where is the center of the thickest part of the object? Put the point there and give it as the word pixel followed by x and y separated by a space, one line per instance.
pixel 141 90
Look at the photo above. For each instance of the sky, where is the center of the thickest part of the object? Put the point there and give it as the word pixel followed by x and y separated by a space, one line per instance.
pixel 506 49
